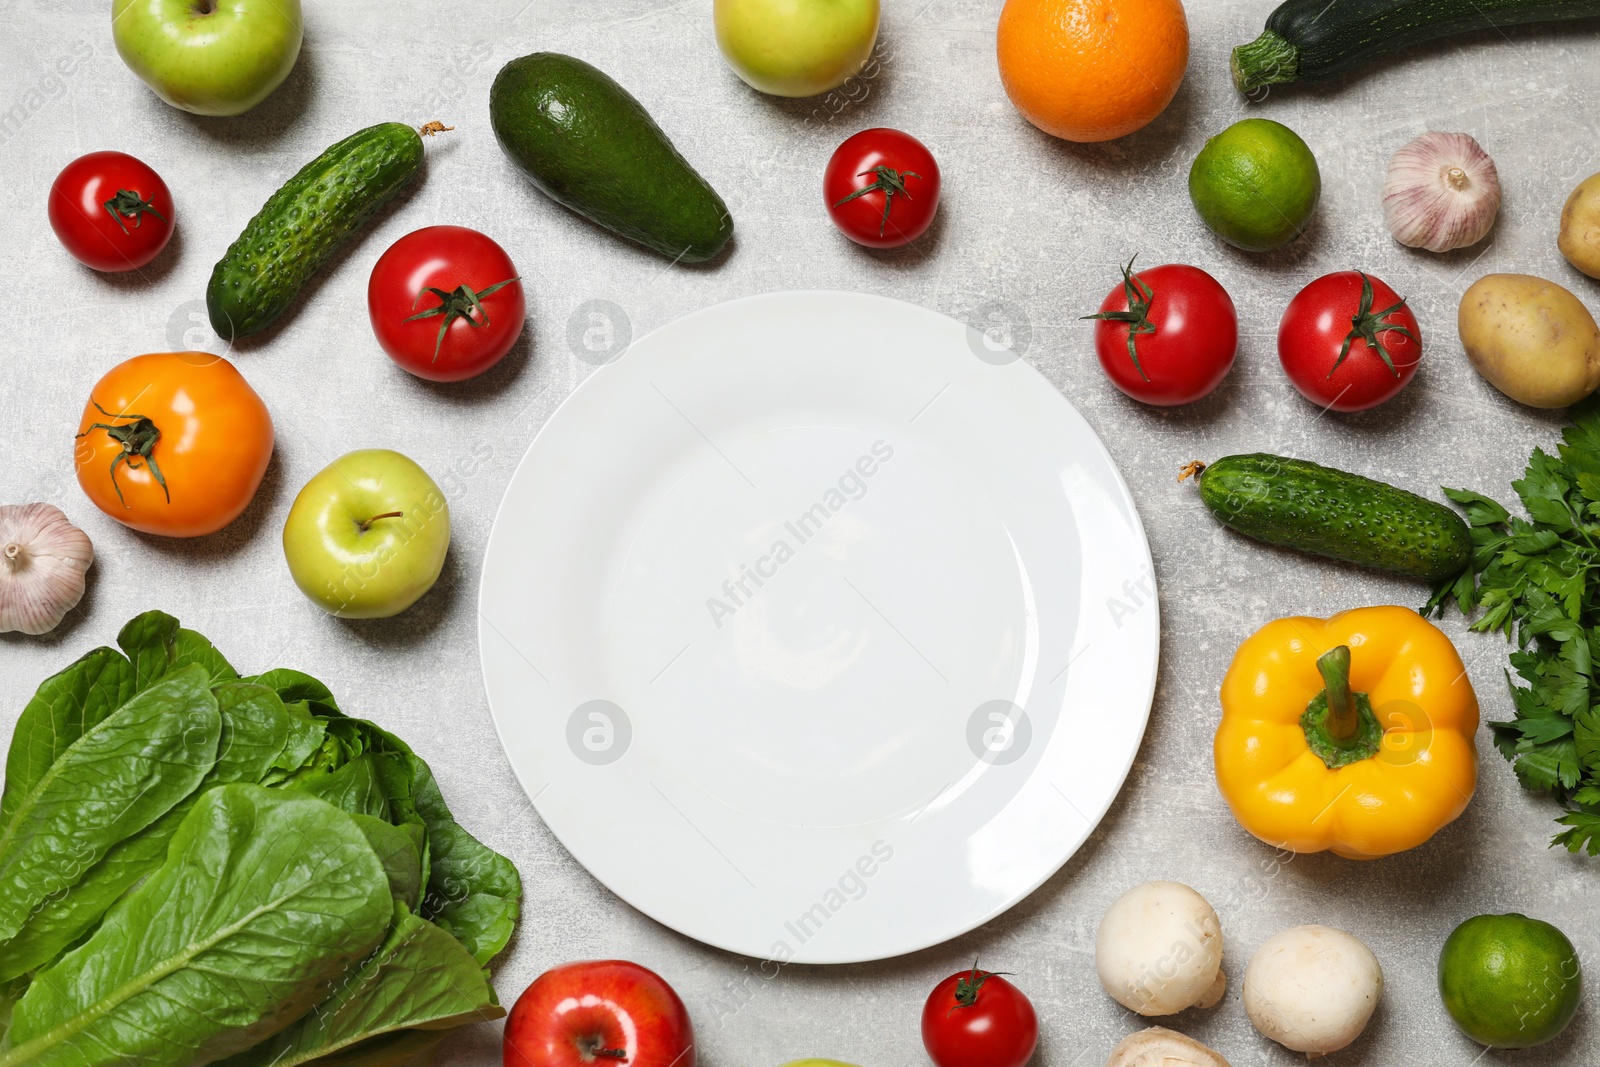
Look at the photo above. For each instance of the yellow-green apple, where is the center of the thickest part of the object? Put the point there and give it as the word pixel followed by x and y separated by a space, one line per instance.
pixel 796 47
pixel 211 57
pixel 367 536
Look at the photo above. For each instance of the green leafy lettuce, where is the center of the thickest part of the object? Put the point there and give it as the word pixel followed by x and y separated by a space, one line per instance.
pixel 196 866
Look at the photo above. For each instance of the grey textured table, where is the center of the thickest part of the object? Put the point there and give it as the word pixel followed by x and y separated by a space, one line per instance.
pixel 1030 225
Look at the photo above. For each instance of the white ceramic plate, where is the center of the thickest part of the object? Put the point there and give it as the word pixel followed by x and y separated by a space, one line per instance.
pixel 818 627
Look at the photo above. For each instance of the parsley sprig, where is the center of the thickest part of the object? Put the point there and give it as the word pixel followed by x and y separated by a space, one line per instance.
pixel 1538 580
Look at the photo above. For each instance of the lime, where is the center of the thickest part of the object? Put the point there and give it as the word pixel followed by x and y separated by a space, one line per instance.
pixel 1509 981
pixel 1256 184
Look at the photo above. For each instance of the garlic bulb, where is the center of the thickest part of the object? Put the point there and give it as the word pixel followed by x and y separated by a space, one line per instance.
pixel 43 559
pixel 1442 192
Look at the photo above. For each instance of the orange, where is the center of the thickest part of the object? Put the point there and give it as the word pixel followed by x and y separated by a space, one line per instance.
pixel 1092 70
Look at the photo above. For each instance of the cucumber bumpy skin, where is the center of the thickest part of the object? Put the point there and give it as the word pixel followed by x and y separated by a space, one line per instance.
pixel 1327 512
pixel 305 222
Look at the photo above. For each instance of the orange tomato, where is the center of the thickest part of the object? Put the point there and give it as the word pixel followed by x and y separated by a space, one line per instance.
pixel 1092 70
pixel 173 443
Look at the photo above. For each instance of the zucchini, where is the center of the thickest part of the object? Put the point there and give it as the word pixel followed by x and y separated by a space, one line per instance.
pixel 1327 512
pixel 1314 40
pixel 305 222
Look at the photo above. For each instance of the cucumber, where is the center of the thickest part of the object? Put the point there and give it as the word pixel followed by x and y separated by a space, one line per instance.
pixel 1327 512
pixel 1314 40
pixel 590 146
pixel 305 222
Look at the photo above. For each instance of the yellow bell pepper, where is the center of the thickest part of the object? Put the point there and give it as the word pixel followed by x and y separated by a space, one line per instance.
pixel 1354 733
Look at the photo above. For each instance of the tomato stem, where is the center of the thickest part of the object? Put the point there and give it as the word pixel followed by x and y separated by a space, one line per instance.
pixel 1139 296
pixel 460 303
pixel 967 986
pixel 889 180
pixel 129 205
pixel 1367 326
pixel 137 438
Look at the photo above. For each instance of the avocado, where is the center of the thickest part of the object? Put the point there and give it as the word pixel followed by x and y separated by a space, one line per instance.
pixel 589 145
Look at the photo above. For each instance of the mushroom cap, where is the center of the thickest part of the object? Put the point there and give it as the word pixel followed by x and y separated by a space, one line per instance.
pixel 1312 989
pixel 1160 1047
pixel 1159 950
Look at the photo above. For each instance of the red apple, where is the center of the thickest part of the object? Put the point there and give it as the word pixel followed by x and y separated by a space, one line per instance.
pixel 606 1012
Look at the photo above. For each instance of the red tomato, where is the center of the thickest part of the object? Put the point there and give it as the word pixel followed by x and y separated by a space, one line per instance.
pixel 881 188
pixel 978 1019
pixel 446 303
pixel 111 211
pixel 1167 335
pixel 599 1012
pixel 1341 353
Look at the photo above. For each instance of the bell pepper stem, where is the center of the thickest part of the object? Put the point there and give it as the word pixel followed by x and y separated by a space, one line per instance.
pixel 1339 723
pixel 1343 723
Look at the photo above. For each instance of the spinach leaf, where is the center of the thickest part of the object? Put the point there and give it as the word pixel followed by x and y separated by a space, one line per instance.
pixel 267 899
pixel 399 849
pixel 353 788
pixel 473 891
pixel 158 646
pixel 66 706
pixel 295 688
pixel 255 726
pixel 123 774
pixel 419 977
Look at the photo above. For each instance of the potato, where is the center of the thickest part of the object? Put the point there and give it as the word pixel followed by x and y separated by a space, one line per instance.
pixel 1533 340
pixel 1579 240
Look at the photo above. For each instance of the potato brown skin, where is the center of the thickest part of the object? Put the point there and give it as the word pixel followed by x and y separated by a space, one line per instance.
pixel 1531 339
pixel 1579 239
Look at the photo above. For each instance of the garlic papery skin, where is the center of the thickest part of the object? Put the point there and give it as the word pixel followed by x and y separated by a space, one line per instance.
pixel 1442 192
pixel 43 561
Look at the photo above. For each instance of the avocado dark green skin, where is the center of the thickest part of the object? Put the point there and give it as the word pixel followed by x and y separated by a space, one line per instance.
pixel 305 222
pixel 1327 512
pixel 589 145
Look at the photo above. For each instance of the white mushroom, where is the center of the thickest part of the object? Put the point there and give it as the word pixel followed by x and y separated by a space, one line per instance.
pixel 1159 950
pixel 43 558
pixel 1312 989
pixel 1160 1047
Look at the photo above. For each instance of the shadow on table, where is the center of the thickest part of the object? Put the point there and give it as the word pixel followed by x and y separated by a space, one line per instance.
pixel 418 622
pixel 232 537
pixel 274 117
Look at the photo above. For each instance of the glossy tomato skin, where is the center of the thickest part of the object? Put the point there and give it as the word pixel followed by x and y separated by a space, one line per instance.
pixel 998 1029
pixel 1314 329
pixel 78 213
pixel 850 169
pixel 445 258
pixel 1194 344
pixel 214 445
pixel 572 1012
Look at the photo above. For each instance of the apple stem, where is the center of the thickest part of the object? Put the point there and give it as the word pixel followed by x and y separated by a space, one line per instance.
pixel 365 526
pixel 593 1048
pixel 428 129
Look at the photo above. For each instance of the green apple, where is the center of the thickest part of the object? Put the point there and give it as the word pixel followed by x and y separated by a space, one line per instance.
pixel 211 57
pixel 796 47
pixel 367 536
